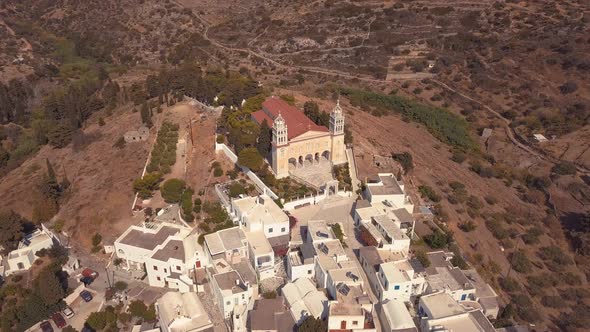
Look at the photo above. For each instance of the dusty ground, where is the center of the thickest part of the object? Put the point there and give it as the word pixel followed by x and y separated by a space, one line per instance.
pixel 574 147
pixel 101 177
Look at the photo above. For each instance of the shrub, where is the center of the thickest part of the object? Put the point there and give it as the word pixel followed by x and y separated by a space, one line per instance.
pixel 458 156
pixel 220 139
pixel 532 235
pixel 59 225
pixel 236 189
pixel 496 228
pixel 422 257
pixel 468 226
pixel 555 254
pixel 459 262
pixel 456 185
pixel 553 301
pixel 520 263
pixel 474 203
pixel 491 200
pixel 568 87
pixel 509 285
pixel 120 286
pixel 339 234
pixel 217 172
pixel 405 159
pixel 571 278
pixel 172 190
pixel 437 239
pixel 442 124
pixel 429 193
pixel 96 239
pixel 564 168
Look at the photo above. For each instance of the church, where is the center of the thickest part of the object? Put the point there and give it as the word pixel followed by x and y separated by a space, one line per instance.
pixel 297 142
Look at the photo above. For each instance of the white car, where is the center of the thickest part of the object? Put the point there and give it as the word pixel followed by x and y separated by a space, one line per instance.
pixel 68 312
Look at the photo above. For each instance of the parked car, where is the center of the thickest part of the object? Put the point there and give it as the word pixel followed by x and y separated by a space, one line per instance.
pixel 68 312
pixel 46 326
pixel 59 320
pixel 86 280
pixel 90 273
pixel 86 295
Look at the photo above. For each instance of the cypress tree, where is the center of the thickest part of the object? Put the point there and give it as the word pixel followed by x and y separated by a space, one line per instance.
pixel 264 139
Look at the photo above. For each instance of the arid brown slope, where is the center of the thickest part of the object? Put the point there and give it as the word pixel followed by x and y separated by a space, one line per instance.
pixel 101 178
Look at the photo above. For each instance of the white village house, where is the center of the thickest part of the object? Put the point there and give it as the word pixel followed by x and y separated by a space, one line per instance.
pixel 169 253
pixel 181 312
pixel 261 213
pixel 23 257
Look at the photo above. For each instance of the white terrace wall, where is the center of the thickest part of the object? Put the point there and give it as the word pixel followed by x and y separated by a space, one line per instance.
pixel 259 184
pixel 311 200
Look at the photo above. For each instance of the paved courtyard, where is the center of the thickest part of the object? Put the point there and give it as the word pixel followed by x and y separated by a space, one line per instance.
pixel 316 173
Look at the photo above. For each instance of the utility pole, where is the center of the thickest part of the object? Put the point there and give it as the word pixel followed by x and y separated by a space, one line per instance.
pixel 108 279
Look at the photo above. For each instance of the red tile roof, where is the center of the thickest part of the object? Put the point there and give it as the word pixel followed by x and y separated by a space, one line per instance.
pixel 297 122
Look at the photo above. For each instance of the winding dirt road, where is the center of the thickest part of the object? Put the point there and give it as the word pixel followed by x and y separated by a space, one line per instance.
pixel 509 131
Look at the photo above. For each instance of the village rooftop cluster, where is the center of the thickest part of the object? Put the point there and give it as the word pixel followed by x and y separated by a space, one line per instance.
pixel 273 271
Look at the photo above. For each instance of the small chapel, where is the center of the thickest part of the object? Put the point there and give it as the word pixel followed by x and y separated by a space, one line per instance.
pixel 297 142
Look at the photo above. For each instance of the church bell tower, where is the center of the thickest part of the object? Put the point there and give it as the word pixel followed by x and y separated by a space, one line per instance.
pixel 280 139
pixel 338 155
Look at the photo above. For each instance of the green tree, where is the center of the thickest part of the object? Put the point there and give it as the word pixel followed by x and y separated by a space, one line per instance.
pixel 49 287
pixel 312 111
pixel 172 190
pixel 49 186
pixel 312 324
pixel 187 204
pixel 437 239
pixel 251 158
pixel 146 117
pixel 150 313
pixel 137 308
pixel 148 183
pixel 264 139
pixel 32 311
pixel 405 159
pixel 11 230
pixel 98 320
